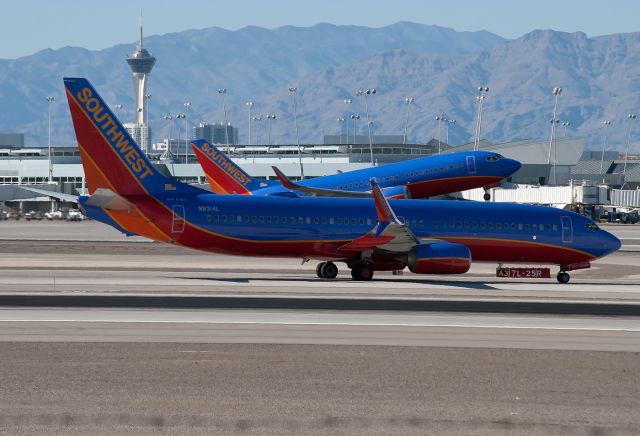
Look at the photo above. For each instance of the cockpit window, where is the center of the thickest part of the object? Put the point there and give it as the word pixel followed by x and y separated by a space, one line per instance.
pixel 592 226
pixel 494 157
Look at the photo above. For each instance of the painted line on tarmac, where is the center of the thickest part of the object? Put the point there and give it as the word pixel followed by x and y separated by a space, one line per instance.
pixel 300 323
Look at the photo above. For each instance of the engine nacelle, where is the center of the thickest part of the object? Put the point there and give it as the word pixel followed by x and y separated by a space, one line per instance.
pixel 439 258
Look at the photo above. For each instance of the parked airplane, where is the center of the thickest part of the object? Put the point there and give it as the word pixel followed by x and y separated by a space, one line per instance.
pixel 428 237
pixel 417 178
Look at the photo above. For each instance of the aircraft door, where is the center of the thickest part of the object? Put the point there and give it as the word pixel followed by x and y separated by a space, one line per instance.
pixel 471 164
pixel 567 229
pixel 178 223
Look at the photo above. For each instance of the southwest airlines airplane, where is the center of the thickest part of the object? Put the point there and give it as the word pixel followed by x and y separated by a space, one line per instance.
pixel 417 178
pixel 374 234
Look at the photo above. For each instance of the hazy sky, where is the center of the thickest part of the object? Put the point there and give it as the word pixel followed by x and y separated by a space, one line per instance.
pixel 28 26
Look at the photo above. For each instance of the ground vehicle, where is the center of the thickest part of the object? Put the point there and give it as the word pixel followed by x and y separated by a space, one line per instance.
pixel 74 215
pixel 33 215
pixel 54 215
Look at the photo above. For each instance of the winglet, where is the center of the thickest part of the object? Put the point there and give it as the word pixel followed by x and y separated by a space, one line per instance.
pixel 284 179
pixel 385 213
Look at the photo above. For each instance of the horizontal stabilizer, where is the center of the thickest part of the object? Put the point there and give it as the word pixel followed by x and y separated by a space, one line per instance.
pixel 57 195
pixel 107 199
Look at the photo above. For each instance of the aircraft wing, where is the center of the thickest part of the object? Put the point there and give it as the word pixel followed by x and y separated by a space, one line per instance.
pixel 317 192
pixel 389 234
pixel 59 195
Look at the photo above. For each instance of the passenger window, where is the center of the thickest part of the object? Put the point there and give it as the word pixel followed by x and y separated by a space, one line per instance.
pixel 368 221
pixel 420 223
pixel 216 219
pixel 330 220
pixel 541 227
pixel 254 219
pixel 246 218
pixel 224 218
pixel 292 220
pixel 474 224
pixel 261 219
pixel 316 220
pixel 208 218
pixel 354 221
pixel 324 220
pixel 435 224
pixel 519 226
pixel 339 221
pixel 361 221
pixel 269 220
pixel 239 218
pixel 527 227
pixel 452 225
pixel 308 220
pixel 534 227
pixel 555 228
pixel 466 224
pixel 490 226
pixel 459 224
pixel 483 225
pixel 300 220
pixel 498 226
pixel 548 227
pixel 513 227
pixel 232 218
pixel 276 220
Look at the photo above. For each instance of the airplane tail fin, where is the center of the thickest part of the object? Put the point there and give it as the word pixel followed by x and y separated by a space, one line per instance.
pixel 110 157
pixel 224 176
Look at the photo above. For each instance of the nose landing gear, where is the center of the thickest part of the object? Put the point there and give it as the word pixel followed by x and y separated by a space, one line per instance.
pixel 563 277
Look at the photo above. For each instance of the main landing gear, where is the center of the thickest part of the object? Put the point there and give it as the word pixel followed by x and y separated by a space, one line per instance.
pixel 327 270
pixel 362 272
pixel 563 277
pixel 486 196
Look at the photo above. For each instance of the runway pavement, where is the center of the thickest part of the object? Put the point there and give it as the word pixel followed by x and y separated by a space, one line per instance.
pixel 274 371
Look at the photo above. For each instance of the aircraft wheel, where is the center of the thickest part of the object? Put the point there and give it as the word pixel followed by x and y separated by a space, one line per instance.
pixel 362 273
pixel 563 277
pixel 319 269
pixel 329 270
pixel 486 196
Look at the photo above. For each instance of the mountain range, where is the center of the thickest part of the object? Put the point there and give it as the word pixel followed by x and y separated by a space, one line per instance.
pixel 438 67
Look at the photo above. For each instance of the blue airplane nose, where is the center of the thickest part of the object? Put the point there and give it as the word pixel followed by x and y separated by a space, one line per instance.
pixel 611 243
pixel 511 166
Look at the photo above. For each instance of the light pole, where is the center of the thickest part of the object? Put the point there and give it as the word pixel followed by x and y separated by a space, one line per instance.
pixel 222 92
pixel 182 117
pixel 249 104
pixel 632 118
pixel 168 119
pixel 118 108
pixel 355 119
pixel 482 90
pixel 407 100
pixel 257 134
pixel 50 100
pixel 447 126
pixel 340 122
pixel 606 123
pixel 294 91
pixel 440 119
pixel 270 118
pixel 564 129
pixel 556 92
pixel 364 94
pixel 348 101
pixel 555 149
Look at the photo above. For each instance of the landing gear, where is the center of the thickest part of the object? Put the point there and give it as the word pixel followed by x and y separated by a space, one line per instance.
pixel 362 273
pixel 327 270
pixel 486 196
pixel 563 277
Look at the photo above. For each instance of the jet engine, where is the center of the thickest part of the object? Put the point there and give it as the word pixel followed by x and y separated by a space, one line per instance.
pixel 439 258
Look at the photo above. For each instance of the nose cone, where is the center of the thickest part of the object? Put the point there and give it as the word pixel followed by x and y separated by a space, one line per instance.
pixel 510 166
pixel 610 243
